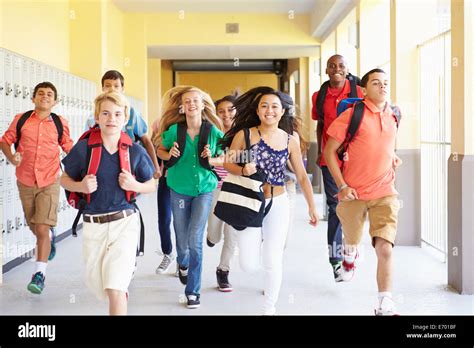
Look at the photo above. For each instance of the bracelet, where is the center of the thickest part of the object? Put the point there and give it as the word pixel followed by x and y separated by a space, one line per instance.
pixel 342 187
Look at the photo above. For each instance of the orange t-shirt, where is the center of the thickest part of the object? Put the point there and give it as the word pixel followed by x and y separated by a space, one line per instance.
pixel 333 97
pixel 39 149
pixel 368 164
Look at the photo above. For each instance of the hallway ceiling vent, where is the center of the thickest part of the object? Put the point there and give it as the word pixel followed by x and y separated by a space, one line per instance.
pixel 232 28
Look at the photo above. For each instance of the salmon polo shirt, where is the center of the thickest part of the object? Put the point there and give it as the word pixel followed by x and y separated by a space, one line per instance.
pixel 368 164
pixel 39 149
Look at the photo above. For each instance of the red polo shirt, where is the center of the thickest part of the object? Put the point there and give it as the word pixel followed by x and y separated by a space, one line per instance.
pixel 333 97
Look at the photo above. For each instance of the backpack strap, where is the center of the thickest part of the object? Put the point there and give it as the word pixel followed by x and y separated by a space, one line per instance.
pixel 21 122
pixel 59 126
pixel 356 120
pixel 94 154
pixel 181 139
pixel 320 101
pixel 124 145
pixel 19 125
pixel 397 114
pixel 353 83
pixel 204 133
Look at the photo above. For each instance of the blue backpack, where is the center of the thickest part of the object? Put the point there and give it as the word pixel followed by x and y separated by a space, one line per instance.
pixel 358 108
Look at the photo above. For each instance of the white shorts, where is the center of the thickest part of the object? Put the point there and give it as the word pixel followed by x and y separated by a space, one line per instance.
pixel 109 252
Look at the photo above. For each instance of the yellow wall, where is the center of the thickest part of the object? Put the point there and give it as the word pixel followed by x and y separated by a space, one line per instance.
pixel 135 56
pixel 328 48
pixel 86 40
pixel 208 29
pixel 37 29
pixel 220 84
pixel 154 89
pixel 166 76
pixel 113 20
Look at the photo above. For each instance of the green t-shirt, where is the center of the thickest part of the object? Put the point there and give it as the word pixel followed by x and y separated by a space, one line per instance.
pixel 187 176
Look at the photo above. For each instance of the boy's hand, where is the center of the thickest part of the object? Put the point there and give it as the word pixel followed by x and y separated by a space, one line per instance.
pixel 126 181
pixel 397 161
pixel 16 160
pixel 347 194
pixel 89 183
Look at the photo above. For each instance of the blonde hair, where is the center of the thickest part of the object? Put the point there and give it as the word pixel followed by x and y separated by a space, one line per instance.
pixel 116 98
pixel 171 107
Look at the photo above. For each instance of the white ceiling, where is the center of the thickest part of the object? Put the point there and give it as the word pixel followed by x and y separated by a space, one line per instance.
pixel 238 6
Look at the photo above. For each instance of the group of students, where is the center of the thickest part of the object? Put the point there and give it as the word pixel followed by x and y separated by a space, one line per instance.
pixel 191 172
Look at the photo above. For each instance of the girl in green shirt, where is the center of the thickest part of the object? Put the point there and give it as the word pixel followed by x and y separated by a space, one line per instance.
pixel 191 184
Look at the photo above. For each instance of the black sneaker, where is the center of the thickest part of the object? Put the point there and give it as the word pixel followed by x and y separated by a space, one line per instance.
pixel 209 243
pixel 193 301
pixel 183 275
pixel 222 281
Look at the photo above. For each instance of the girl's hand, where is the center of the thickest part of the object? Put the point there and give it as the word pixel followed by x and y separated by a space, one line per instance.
pixel 313 217
pixel 249 169
pixel 174 151
pixel 206 152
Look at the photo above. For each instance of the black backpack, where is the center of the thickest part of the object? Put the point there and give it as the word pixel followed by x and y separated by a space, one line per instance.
pixel 358 108
pixel 26 116
pixel 354 82
pixel 203 140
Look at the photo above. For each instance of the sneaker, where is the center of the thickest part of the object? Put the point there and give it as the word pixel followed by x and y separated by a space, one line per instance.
pixel 193 301
pixel 348 269
pixel 386 307
pixel 183 275
pixel 176 274
pixel 222 281
pixel 165 264
pixel 337 271
pixel 52 253
pixel 209 243
pixel 36 285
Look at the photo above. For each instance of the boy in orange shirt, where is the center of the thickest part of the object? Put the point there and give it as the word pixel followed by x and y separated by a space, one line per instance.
pixel 37 171
pixel 366 184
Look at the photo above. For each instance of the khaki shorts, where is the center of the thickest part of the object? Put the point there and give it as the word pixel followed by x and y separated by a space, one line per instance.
pixel 40 204
pixel 109 252
pixel 383 216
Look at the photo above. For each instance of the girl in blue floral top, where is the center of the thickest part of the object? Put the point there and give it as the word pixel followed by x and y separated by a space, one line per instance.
pixel 261 110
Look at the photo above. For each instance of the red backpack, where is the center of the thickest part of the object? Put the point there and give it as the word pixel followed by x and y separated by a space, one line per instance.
pixel 78 200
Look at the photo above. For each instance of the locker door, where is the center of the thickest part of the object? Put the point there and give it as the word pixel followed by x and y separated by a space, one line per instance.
pixel 26 76
pixel 9 241
pixel 17 83
pixel 2 227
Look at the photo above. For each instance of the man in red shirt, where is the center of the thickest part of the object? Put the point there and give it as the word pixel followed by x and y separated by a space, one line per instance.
pixel 37 171
pixel 325 103
pixel 366 184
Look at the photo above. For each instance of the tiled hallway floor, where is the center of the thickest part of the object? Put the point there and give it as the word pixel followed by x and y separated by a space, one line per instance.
pixel 308 286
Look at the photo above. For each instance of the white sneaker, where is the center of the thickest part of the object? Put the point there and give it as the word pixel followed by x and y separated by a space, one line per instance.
pixel 386 307
pixel 269 310
pixel 348 269
pixel 165 264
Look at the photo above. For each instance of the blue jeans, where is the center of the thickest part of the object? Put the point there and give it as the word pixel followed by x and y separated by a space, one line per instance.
pixel 189 220
pixel 334 225
pixel 164 216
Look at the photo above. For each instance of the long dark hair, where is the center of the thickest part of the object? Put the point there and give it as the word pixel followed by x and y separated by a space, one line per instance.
pixel 246 110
